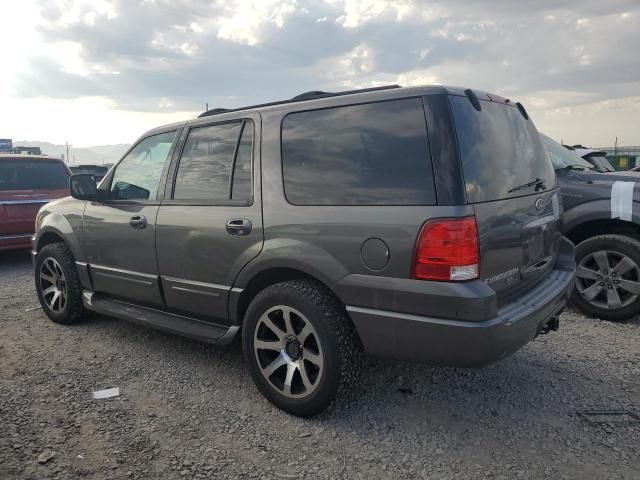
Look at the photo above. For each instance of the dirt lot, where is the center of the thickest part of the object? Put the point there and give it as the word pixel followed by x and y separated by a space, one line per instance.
pixel 189 410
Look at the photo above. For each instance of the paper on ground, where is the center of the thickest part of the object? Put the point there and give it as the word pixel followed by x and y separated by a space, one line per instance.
pixel 108 393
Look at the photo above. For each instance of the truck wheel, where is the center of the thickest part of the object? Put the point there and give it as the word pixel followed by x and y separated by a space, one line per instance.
pixel 301 347
pixel 58 285
pixel 608 277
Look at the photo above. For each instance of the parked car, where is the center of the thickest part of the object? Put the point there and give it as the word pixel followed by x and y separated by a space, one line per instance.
pixel 602 218
pixel 319 227
pixel 597 158
pixel 98 171
pixel 26 183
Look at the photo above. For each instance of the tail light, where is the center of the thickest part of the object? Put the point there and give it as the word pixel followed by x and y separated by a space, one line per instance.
pixel 447 250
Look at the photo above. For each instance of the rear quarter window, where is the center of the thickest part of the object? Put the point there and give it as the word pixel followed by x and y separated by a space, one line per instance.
pixel 366 154
pixel 500 150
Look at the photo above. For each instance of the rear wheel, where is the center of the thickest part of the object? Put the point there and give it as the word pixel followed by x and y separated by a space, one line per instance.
pixel 608 277
pixel 57 284
pixel 301 347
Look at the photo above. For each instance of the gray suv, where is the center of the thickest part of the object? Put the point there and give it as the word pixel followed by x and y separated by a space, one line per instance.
pixel 416 223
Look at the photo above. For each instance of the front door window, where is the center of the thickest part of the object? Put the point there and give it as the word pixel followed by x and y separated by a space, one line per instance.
pixel 137 176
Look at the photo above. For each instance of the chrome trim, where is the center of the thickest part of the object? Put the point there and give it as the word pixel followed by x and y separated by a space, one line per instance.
pixel 193 290
pixel 122 270
pixel 14 237
pixel 122 277
pixel 121 274
pixel 26 202
pixel 194 283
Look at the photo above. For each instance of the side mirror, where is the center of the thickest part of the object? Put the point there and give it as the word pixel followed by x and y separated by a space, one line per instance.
pixel 83 186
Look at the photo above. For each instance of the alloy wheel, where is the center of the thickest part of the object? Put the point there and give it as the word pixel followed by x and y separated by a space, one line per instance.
pixel 53 285
pixel 288 351
pixel 608 279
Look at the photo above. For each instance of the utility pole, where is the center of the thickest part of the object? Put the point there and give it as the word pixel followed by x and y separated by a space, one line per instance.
pixel 206 107
pixel 67 156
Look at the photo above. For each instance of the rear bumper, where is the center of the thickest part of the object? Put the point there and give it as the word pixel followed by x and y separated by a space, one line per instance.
pixel 15 242
pixel 454 342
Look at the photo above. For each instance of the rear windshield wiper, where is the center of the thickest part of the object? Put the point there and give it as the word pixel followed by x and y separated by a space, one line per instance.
pixel 538 182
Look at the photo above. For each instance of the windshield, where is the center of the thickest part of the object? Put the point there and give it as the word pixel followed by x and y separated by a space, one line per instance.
pixel 562 157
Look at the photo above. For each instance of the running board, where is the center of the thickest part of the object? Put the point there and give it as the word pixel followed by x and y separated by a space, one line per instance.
pixel 167 322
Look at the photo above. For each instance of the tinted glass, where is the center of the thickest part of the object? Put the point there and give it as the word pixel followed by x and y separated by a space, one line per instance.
pixel 204 171
pixel 371 154
pixel 32 175
pixel 137 177
pixel 242 174
pixel 500 150
pixel 561 157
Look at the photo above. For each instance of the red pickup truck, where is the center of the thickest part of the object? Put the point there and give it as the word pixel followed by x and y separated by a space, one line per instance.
pixel 26 183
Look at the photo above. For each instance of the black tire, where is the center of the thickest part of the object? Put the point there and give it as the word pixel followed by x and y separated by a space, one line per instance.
pixel 73 310
pixel 337 343
pixel 615 248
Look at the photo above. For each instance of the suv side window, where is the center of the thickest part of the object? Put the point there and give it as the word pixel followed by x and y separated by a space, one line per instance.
pixel 215 165
pixel 366 154
pixel 137 176
pixel 241 188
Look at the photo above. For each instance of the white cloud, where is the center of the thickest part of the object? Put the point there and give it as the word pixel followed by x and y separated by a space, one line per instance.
pixel 246 17
pixel 572 60
pixel 358 61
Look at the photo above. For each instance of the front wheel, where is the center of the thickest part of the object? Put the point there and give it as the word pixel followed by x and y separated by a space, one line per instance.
pixel 301 347
pixel 608 277
pixel 57 284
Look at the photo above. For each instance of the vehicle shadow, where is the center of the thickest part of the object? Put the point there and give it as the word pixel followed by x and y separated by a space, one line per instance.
pixel 14 259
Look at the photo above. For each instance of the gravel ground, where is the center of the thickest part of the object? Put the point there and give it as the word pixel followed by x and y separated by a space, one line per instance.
pixel 189 410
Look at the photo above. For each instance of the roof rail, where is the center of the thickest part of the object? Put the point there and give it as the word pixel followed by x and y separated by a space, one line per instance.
pixel 311 95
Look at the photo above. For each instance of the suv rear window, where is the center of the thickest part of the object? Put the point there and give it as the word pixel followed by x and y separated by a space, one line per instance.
pixel 500 151
pixel 367 154
pixel 32 175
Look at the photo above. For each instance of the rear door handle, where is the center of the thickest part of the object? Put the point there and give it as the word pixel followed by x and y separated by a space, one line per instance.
pixel 138 222
pixel 239 226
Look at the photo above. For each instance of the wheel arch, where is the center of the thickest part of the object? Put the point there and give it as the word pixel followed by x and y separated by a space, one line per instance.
pixel 593 218
pixel 283 259
pixel 48 237
pixel 56 227
pixel 240 298
pixel 50 234
pixel 602 226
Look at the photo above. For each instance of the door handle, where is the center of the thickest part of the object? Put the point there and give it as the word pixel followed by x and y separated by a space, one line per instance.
pixel 239 226
pixel 138 222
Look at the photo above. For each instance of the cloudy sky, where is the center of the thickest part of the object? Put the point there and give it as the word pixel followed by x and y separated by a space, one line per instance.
pixel 103 71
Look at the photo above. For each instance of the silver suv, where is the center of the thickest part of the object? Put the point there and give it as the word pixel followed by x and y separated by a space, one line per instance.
pixel 418 223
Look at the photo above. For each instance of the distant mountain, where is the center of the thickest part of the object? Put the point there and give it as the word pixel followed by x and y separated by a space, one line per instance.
pixel 97 155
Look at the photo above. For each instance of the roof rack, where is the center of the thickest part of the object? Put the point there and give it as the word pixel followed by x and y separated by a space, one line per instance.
pixel 311 95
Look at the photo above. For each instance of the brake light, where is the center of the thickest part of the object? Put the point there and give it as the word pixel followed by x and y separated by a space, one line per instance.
pixel 447 250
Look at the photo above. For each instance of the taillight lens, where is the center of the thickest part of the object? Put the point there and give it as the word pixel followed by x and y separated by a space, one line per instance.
pixel 447 250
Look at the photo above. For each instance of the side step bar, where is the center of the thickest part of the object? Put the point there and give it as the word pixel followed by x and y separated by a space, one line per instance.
pixel 168 322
